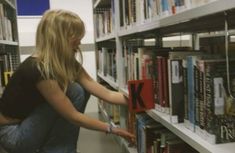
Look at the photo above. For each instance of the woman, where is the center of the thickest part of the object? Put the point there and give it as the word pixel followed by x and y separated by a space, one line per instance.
pixel 42 105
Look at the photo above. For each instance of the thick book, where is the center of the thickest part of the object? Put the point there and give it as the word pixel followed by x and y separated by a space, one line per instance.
pixel 216 96
pixel 224 128
pixel 178 146
pixel 176 90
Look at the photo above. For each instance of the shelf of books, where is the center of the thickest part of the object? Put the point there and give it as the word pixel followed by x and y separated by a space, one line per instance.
pixel 104 18
pixel 193 82
pixel 147 20
pixel 190 137
pixel 109 80
pixel 9 44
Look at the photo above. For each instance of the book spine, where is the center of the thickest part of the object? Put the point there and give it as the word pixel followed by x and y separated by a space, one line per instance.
pixel 225 131
pixel 196 94
pixel 185 90
pixel 191 91
pixel 202 101
pixel 177 90
pixel 165 85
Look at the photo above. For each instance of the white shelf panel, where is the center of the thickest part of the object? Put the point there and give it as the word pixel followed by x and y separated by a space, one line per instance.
pixel 7 42
pixel 186 15
pixel 128 30
pixel 200 11
pixel 190 137
pixel 109 81
pixel 106 37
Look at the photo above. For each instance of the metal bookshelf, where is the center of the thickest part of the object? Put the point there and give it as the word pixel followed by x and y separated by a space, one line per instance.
pixel 10 46
pixel 7 42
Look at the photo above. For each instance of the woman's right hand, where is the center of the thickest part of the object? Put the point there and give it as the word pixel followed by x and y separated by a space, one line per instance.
pixel 124 133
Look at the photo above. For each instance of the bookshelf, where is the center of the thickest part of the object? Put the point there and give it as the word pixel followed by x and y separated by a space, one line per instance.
pixel 9 43
pixel 202 18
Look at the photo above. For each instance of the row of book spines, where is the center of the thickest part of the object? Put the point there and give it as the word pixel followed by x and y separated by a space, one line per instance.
pixel 153 137
pixel 6 69
pixel 138 11
pixel 105 20
pixel 113 111
pixel 6 25
pixel 137 64
pixel 107 62
pixel 212 99
pixel 177 111
pixel 200 112
pixel 160 72
pixel 203 104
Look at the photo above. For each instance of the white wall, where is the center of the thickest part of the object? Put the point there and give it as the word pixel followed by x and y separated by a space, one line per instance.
pixel 27 29
pixel 27 25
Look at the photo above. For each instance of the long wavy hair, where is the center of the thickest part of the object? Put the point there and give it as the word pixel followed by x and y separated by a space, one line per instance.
pixel 56 54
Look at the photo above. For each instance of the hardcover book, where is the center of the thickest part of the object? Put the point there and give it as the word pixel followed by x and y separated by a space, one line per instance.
pixel 213 98
pixel 141 96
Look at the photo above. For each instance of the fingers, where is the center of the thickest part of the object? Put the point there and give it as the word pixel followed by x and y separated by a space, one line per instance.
pixel 125 134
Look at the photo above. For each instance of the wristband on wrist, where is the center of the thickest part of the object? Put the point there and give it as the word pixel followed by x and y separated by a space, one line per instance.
pixel 109 129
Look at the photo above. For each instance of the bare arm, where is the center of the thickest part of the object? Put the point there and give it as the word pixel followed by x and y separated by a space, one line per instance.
pixel 100 91
pixel 61 103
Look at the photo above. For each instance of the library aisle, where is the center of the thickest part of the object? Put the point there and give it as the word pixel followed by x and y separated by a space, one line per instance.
pixel 96 142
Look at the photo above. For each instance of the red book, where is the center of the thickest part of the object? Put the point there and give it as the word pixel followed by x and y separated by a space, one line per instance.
pixel 141 96
pixel 160 81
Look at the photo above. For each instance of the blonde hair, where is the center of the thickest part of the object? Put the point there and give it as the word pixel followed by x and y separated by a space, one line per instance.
pixel 56 55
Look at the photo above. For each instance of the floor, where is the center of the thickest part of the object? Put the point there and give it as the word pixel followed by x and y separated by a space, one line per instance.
pixel 96 142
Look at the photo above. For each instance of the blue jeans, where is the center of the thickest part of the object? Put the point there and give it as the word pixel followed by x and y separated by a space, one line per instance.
pixel 45 131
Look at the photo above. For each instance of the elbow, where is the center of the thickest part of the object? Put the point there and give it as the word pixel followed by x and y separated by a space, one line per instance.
pixel 75 118
pixel 72 117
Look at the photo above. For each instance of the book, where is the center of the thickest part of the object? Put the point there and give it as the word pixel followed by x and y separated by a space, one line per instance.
pixel 191 92
pixel 178 146
pixel 141 96
pixel 216 96
pixel 145 126
pixel 224 128
pixel 176 90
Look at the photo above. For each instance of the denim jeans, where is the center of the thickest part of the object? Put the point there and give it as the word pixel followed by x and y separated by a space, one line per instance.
pixel 45 131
